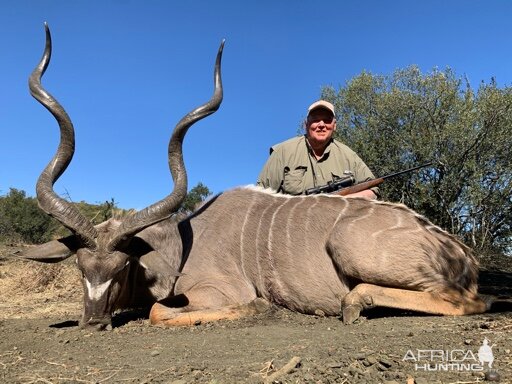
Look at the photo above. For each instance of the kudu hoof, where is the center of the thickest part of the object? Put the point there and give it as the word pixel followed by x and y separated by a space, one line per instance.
pixel 350 313
pixel 259 305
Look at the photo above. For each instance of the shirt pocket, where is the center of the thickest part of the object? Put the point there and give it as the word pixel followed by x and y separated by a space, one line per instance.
pixel 294 180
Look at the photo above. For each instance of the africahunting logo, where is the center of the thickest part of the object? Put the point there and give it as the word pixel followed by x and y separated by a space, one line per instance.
pixel 451 360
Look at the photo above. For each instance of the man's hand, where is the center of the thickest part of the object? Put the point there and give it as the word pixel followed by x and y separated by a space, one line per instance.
pixel 366 194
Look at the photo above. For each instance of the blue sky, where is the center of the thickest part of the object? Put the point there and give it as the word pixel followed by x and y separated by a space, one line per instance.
pixel 127 71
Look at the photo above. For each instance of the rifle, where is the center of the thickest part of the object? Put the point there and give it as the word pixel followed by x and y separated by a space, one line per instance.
pixel 344 186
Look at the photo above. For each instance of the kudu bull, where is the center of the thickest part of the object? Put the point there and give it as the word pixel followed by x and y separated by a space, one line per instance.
pixel 249 247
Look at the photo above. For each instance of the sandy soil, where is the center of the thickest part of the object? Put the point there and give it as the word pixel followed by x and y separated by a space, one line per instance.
pixel 40 341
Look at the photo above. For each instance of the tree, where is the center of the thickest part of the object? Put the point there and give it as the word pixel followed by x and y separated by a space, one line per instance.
pixel 22 220
pixel 194 197
pixel 398 121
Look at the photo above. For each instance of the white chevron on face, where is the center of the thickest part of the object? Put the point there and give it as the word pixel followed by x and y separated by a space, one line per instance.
pixel 95 292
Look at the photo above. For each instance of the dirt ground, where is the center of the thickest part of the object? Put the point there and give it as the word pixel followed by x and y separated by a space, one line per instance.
pixel 40 341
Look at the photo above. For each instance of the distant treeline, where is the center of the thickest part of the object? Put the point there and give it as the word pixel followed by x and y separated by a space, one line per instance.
pixel 22 221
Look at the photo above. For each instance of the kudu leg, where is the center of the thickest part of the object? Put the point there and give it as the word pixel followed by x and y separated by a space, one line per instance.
pixel 365 296
pixel 171 317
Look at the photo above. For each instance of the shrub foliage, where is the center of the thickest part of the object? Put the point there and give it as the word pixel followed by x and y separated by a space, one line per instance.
pixel 21 220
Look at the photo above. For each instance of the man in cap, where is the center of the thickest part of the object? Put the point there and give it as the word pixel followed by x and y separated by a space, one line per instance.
pixel 314 159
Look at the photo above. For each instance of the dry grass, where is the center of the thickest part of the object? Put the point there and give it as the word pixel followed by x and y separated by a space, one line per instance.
pixel 33 277
pixel 29 289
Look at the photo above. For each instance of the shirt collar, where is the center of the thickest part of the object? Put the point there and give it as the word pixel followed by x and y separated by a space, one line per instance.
pixel 327 149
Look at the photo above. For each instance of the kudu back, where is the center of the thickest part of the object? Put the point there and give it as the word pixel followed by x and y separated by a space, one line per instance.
pixel 249 247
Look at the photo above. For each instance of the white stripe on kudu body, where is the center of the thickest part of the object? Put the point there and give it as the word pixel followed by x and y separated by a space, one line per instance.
pixel 95 292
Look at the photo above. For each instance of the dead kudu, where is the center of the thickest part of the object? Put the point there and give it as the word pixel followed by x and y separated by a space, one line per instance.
pixel 248 247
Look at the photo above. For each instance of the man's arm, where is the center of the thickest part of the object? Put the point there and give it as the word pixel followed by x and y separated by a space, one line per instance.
pixel 360 170
pixel 272 172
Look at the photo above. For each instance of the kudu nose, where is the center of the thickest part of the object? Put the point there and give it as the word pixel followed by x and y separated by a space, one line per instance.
pixel 98 324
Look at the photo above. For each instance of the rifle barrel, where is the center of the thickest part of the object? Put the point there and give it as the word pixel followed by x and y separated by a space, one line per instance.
pixel 375 182
pixel 407 170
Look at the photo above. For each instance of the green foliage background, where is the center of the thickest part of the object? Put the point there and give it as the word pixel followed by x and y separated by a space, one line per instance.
pixel 21 219
pixel 408 118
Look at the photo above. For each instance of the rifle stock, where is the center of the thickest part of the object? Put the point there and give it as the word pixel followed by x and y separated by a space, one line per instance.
pixel 360 187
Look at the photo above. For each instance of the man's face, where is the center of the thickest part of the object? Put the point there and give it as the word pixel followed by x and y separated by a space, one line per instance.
pixel 320 126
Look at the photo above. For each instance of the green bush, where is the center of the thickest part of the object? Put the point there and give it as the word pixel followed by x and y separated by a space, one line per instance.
pixel 22 220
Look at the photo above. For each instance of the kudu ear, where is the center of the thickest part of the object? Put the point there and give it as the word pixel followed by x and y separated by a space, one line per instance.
pixel 149 259
pixel 52 251
pixel 153 262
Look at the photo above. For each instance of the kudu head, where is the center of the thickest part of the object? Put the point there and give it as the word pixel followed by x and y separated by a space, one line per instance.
pixel 104 251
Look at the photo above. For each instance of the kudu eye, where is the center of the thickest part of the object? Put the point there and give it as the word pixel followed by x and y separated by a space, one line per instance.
pixel 125 265
pixel 121 268
pixel 79 269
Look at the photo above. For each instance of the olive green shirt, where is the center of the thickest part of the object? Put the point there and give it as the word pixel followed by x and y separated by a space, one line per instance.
pixel 292 168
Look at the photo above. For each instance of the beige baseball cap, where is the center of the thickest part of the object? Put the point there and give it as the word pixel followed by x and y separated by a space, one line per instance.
pixel 321 104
